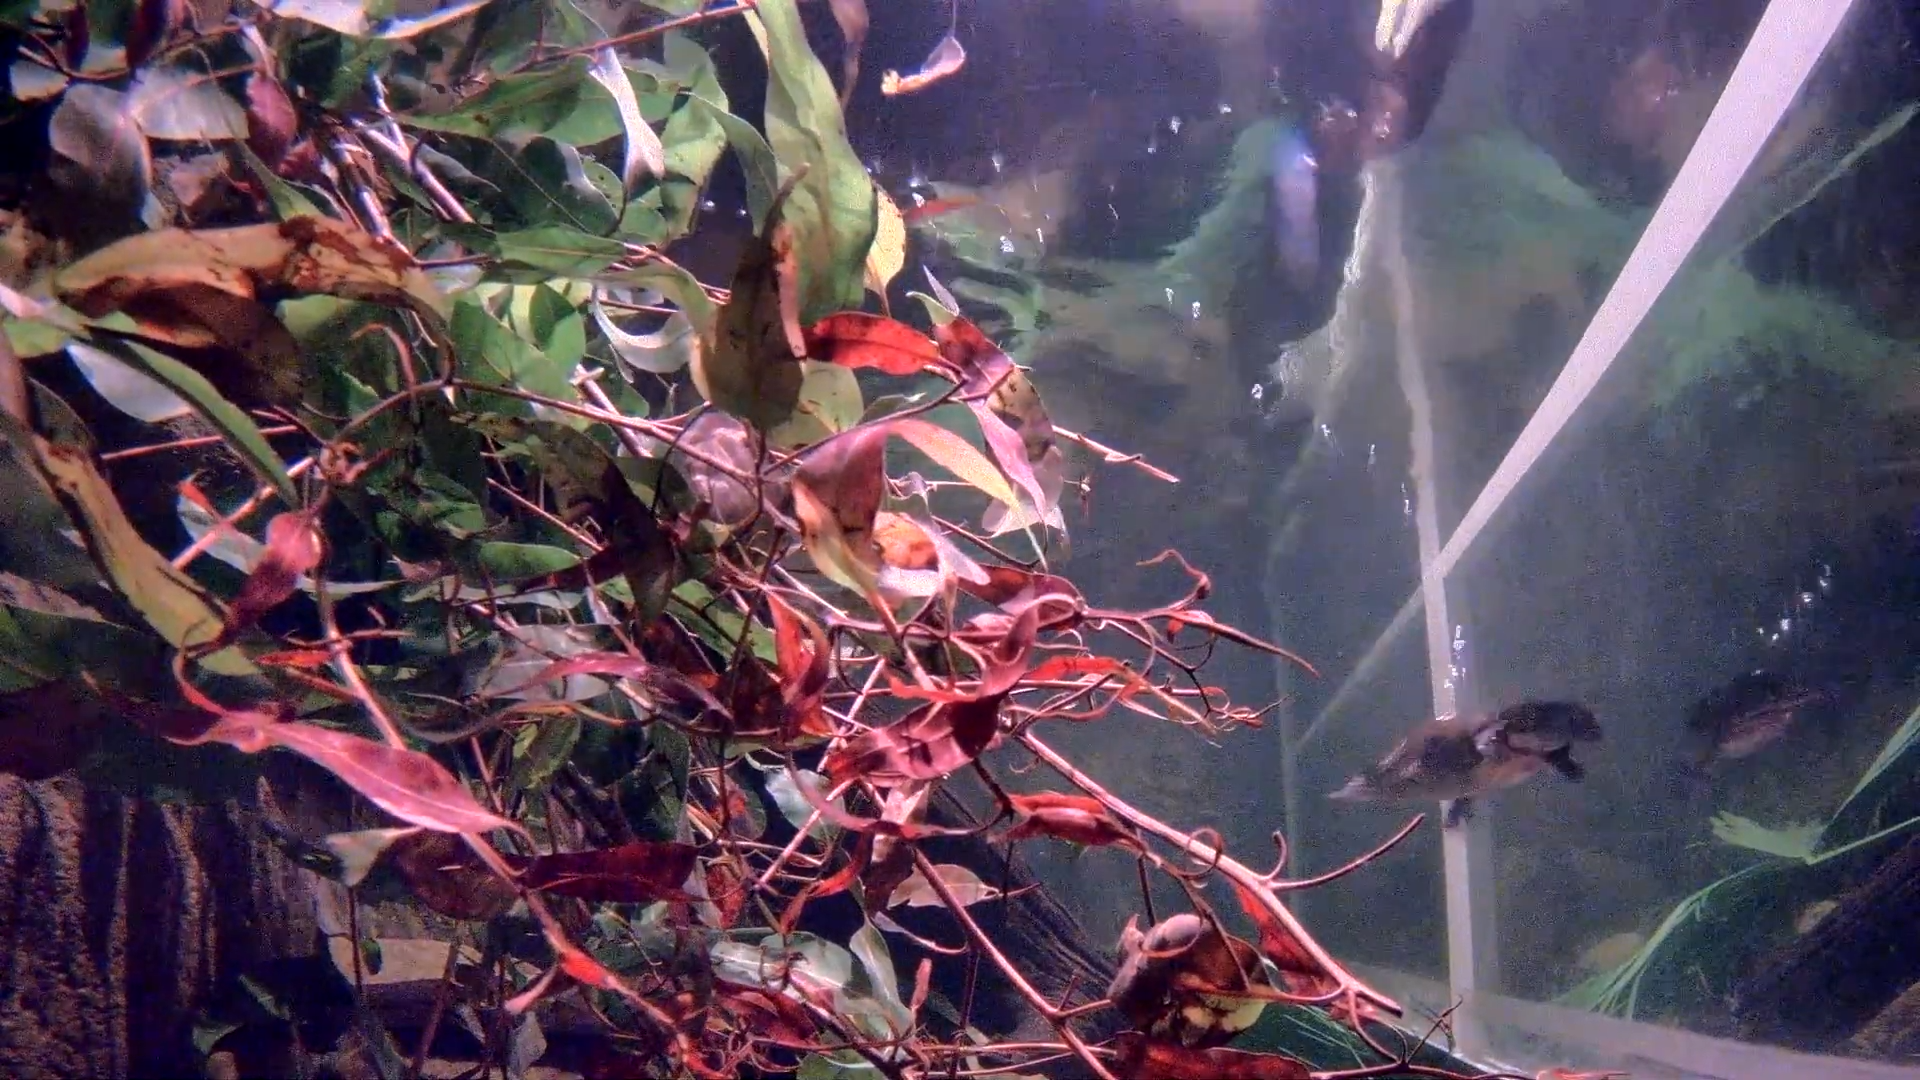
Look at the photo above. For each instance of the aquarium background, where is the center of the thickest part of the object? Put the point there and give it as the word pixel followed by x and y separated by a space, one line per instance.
pixel 1737 493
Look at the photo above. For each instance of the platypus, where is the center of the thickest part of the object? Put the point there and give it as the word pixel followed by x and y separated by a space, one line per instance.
pixel 1462 757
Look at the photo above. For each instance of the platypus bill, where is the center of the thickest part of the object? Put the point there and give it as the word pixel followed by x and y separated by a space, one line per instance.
pixel 1460 758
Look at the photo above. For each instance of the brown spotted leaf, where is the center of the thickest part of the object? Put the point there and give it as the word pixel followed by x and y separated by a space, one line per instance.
pixel 927 744
pixel 753 371
pixel 837 492
pixel 444 874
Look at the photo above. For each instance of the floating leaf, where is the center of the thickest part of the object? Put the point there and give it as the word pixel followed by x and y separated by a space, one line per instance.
pixel 409 785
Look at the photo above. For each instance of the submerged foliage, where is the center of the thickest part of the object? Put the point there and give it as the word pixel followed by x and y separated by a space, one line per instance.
pixel 459 538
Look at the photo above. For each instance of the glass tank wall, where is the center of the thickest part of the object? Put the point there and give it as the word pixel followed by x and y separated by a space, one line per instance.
pixel 1715 553
pixel 1709 537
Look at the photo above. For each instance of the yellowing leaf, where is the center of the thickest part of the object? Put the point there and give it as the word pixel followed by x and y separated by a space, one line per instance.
pixel 957 456
pixel 170 601
pixel 888 255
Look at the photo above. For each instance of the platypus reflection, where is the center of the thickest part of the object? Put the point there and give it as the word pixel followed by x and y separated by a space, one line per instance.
pixel 1741 716
pixel 1464 757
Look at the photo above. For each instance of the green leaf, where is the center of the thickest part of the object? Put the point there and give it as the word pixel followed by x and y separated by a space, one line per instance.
pixel 491 353
pixel 242 434
pixel 563 103
pixel 557 327
pixel 288 201
pixel 828 403
pixel 1794 842
pixel 558 185
pixel 504 563
pixel 833 209
pixel 661 352
pixel 541 750
pixel 546 251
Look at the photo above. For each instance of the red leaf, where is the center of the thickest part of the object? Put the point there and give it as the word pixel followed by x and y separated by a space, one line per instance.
pixel 294 547
pixel 1014 591
pixel 272 123
pixel 1144 1059
pixel 839 882
pixel 1011 416
pixel 1077 819
pixel 727 891
pixel 1299 973
pixel 639 872
pixel 837 491
pixel 803 668
pixel 76 34
pixel 152 24
pixel 858 340
pixel 774 1017
pixel 409 785
pixel 927 744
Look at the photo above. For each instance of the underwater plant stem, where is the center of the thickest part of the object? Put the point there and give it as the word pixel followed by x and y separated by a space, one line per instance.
pixel 985 944
pixel 1236 871
pixel 1116 457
